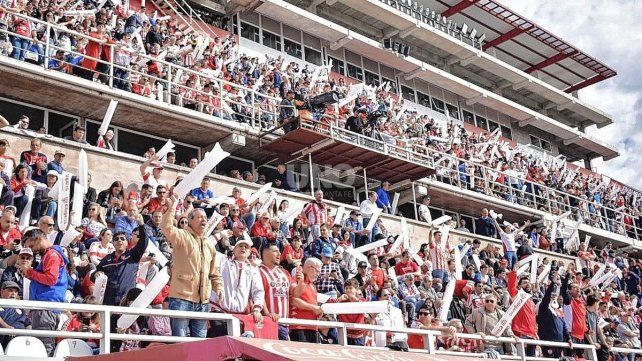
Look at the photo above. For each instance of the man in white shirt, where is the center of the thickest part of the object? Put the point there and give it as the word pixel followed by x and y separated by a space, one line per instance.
pixel 424 211
pixel 242 283
pixel 367 208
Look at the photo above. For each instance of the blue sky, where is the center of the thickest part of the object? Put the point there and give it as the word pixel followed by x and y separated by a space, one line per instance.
pixel 611 31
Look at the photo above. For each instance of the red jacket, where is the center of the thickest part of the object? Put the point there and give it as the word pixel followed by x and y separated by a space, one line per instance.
pixel 525 322
pixel 258 230
pixel 8 237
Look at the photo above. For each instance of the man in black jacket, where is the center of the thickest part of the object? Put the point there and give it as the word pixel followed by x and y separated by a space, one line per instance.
pixel 485 226
pixel 357 122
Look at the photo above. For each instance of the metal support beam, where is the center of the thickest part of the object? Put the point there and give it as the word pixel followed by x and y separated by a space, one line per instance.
pixel 365 181
pixel 340 43
pixel 414 201
pixel 311 178
pixel 460 6
pixel 585 83
pixel 505 37
pixel 550 61
pixel 313 6
pixel 413 73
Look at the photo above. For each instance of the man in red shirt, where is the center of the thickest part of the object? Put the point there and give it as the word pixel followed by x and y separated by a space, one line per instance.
pixel 8 230
pixel 303 301
pixel 525 323
pixel 575 304
pixel 377 273
pixel 276 283
pixel 406 266
pixel 157 203
pixel 262 233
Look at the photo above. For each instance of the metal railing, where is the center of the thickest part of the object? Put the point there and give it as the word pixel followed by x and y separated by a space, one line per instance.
pixel 230 101
pixel 332 130
pixel 106 336
pixel 435 20
pixel 186 9
pixel 532 194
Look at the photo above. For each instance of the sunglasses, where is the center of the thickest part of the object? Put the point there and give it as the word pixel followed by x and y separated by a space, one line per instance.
pixel 490 301
pixel 182 222
pixel 121 238
pixel 50 224
pixel 424 313
pixel 235 210
pixel 161 192
pixel 26 257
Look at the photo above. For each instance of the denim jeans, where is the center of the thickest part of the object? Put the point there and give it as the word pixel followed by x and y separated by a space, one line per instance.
pixel 511 257
pixel 20 47
pixel 197 328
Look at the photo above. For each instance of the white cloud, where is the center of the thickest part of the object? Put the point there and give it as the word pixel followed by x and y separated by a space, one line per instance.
pixel 610 31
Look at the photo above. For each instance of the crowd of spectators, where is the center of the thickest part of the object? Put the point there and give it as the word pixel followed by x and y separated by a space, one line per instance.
pixel 282 265
pixel 262 265
pixel 476 161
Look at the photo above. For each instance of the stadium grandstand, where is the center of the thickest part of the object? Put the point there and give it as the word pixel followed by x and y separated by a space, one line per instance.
pixel 296 179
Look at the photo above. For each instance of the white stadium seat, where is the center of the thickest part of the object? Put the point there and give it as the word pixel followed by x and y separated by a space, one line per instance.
pixel 72 347
pixel 26 346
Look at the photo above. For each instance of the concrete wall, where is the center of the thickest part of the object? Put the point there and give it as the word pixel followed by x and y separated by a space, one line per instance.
pixel 107 166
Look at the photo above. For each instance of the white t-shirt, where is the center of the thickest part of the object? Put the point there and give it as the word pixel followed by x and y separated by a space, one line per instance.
pixel 367 208
pixel 509 241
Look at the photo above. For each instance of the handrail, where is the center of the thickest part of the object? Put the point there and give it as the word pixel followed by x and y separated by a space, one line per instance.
pixel 106 336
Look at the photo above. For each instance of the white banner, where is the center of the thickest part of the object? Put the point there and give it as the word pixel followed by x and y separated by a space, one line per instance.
pixel 353 93
pixel 268 202
pixel 255 196
pixel 145 298
pixel 108 115
pixel 542 276
pixel 440 220
pixel 292 212
pixel 358 255
pixel 445 232
pixel 167 147
pixel 477 261
pixel 26 283
pixel 64 200
pixel 597 275
pixel 534 269
pixel 519 301
pixel 77 205
pixel 445 303
pixel 160 257
pixel 347 308
pixel 458 268
pixel 25 217
pixel 99 288
pixel 338 217
pixel 371 246
pixel 405 233
pixel 68 237
pixel 194 178
pixel 417 259
pixel 373 219
pixel 83 171
pixel 214 220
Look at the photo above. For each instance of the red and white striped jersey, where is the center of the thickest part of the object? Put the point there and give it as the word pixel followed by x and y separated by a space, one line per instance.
pixel 276 283
pixel 438 257
pixel 317 213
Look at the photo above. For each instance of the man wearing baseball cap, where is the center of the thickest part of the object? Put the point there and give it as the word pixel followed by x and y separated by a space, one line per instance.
pixel 242 283
pixel 11 317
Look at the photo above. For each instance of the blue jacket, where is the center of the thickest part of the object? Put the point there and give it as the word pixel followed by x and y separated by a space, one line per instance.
pixel 382 198
pixel 485 227
pixel 316 247
pixel 125 224
pixel 55 293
